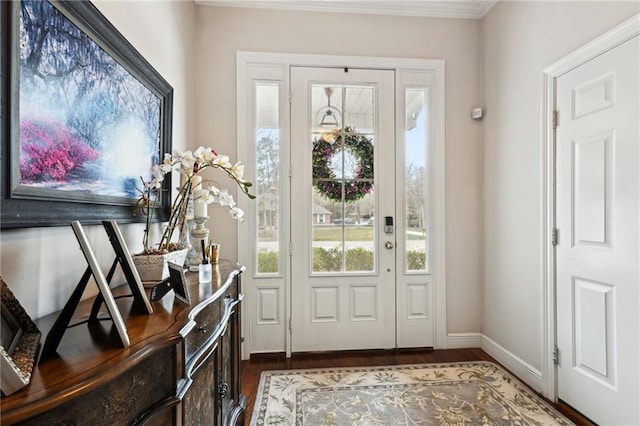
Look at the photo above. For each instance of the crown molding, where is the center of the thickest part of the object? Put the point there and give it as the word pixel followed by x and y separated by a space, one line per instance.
pixel 461 9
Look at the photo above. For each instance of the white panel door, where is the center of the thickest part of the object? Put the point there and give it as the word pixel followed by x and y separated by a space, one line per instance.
pixel 598 187
pixel 343 178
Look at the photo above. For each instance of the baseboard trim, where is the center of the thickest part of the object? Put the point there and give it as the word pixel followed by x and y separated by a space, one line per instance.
pixel 463 340
pixel 511 362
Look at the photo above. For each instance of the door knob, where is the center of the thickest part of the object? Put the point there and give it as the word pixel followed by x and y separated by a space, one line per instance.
pixel 389 245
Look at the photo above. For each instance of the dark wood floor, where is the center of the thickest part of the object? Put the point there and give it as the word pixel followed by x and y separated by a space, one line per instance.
pixel 259 363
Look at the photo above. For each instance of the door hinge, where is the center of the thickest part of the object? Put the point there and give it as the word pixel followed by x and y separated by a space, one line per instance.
pixel 554 119
pixel 554 237
pixel 290 96
pixel 290 249
pixel 290 326
pixel 290 172
pixel 556 355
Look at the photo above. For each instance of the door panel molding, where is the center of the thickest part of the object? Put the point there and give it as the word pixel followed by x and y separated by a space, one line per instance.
pixel 594 315
pixel 616 36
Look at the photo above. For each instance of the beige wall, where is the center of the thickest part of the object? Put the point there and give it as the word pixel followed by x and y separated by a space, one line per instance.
pixel 221 32
pixel 43 265
pixel 520 39
pixel 493 246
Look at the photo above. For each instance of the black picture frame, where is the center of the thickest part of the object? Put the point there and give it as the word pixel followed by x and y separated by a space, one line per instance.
pixel 20 343
pixel 11 329
pixel 179 283
pixel 37 207
pixel 123 257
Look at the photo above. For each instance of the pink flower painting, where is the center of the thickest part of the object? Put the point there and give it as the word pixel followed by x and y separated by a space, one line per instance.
pixel 51 152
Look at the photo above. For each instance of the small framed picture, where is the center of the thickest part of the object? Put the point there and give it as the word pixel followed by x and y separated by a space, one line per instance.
pixel 123 256
pixel 179 282
pixel 20 339
pixel 101 281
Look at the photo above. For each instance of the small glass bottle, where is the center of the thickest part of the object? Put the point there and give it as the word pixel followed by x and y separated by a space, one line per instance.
pixel 204 270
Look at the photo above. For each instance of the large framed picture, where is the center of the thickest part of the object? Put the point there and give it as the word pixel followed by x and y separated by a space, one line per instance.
pixel 19 342
pixel 84 116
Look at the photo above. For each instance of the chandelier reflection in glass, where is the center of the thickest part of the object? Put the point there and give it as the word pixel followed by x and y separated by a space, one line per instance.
pixel 328 117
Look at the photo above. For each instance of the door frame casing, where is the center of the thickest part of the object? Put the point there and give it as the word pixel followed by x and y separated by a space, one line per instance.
pixel 244 60
pixel 609 40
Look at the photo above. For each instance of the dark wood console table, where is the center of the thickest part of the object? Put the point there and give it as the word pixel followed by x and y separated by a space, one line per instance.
pixel 182 368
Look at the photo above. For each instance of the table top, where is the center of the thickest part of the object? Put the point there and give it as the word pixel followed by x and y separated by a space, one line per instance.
pixel 91 354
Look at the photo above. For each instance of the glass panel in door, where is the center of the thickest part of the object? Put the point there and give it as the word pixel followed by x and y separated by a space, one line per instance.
pixel 343 193
pixel 416 182
pixel 267 153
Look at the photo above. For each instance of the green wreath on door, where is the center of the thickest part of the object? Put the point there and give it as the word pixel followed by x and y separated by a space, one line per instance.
pixel 326 181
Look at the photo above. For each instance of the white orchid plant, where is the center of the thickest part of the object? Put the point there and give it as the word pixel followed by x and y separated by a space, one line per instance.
pixel 189 164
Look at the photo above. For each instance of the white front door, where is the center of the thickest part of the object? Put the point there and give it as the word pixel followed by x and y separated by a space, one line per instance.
pixel 343 187
pixel 598 187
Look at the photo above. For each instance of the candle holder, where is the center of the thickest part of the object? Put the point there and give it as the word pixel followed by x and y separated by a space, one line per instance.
pixel 185 239
pixel 188 225
pixel 198 233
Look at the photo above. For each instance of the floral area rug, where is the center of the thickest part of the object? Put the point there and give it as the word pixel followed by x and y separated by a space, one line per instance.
pixel 471 393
